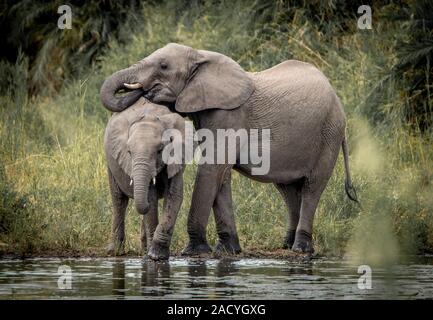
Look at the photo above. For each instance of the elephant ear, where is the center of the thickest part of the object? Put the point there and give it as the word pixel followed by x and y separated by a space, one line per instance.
pixel 176 123
pixel 216 82
pixel 118 138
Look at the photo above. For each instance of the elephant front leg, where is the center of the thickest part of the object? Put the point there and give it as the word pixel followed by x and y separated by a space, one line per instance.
pixel 228 240
pixel 143 236
pixel 120 203
pixel 149 220
pixel 207 183
pixel 173 196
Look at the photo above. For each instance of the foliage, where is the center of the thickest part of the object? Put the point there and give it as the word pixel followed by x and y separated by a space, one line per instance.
pixel 412 71
pixel 55 54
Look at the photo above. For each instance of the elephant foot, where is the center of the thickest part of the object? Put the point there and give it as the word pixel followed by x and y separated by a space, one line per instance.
pixel 228 247
pixel 115 249
pixel 289 239
pixel 195 249
pixel 303 242
pixel 159 251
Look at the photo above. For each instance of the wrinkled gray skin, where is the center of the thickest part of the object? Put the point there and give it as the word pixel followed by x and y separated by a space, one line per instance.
pixel 293 99
pixel 133 148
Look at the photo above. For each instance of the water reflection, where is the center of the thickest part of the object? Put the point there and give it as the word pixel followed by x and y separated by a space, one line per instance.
pixel 119 279
pixel 226 267
pixel 225 271
pixel 127 278
pixel 197 272
pixel 305 269
pixel 155 278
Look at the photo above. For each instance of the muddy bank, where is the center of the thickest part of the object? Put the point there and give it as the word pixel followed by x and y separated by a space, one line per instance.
pixel 246 254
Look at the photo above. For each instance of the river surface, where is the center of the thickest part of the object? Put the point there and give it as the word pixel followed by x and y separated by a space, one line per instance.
pixel 134 278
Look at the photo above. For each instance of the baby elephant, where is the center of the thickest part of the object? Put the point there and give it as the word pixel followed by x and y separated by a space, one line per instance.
pixel 133 147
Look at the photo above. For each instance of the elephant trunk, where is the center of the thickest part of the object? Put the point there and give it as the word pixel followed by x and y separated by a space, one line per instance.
pixel 116 82
pixel 141 176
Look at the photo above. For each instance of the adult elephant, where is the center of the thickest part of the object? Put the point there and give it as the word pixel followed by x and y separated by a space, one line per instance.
pixel 293 99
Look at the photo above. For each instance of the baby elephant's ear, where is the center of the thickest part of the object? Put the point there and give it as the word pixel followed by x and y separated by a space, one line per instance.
pixel 217 82
pixel 116 144
pixel 174 136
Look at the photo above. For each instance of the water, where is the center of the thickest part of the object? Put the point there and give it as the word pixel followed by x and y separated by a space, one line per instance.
pixel 126 278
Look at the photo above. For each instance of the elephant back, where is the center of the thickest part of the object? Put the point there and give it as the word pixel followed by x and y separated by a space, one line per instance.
pixel 294 84
pixel 290 97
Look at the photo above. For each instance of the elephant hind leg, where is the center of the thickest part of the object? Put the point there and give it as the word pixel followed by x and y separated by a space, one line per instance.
pixel 228 240
pixel 291 194
pixel 312 189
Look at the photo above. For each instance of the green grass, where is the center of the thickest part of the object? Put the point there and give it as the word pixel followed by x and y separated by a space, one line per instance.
pixel 55 196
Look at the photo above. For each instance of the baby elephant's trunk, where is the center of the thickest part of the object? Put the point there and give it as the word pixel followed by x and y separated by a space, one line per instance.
pixel 141 177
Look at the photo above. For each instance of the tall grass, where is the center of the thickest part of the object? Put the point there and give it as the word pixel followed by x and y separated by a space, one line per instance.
pixel 53 182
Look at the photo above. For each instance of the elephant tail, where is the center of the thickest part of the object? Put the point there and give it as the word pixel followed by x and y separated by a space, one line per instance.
pixel 348 186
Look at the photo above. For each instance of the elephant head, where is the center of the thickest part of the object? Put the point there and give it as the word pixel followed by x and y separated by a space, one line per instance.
pixel 140 156
pixel 193 80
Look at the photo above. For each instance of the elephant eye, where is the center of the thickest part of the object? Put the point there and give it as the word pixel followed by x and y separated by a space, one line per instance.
pixel 164 65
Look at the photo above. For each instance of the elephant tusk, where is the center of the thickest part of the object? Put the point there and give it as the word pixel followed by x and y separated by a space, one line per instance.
pixel 132 181
pixel 135 85
pixel 154 181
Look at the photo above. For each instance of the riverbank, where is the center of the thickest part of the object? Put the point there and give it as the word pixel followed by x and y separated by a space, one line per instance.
pixel 245 254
